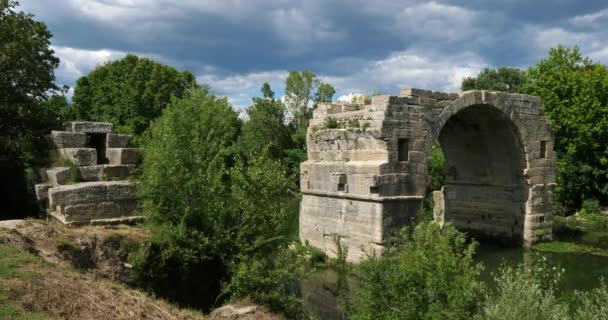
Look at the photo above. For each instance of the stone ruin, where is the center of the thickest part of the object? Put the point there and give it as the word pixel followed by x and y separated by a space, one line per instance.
pixel 366 173
pixel 90 185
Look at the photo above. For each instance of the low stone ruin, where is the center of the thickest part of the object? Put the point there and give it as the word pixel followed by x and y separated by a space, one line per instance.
pixel 89 184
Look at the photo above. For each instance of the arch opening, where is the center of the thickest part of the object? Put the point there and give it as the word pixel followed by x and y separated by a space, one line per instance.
pixel 484 191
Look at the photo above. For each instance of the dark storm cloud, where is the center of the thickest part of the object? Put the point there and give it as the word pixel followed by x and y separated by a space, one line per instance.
pixel 359 45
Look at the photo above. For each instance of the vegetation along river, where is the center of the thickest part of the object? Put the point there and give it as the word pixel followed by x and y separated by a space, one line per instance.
pixel 323 291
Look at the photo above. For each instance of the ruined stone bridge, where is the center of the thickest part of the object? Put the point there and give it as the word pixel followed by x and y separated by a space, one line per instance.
pixel 366 173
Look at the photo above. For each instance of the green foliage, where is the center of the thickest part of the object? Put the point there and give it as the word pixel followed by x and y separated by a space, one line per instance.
pixel 592 305
pixel 590 207
pixel 10 259
pixel 302 89
pixel 187 153
pixel 339 262
pixel 325 93
pixel 74 175
pixel 435 166
pixel 217 221
pixel 525 293
pixel 574 91
pixel 569 247
pixel 267 281
pixel 430 275
pixel 27 65
pixel 330 123
pixel 313 256
pixel 266 133
pixel 504 79
pixel 27 74
pixel 130 92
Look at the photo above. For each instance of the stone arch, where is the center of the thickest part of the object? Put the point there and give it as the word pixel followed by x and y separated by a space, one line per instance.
pixel 502 208
pixel 485 189
pixel 366 173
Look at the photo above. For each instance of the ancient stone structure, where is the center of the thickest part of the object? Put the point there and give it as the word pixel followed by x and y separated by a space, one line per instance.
pixel 366 172
pixel 90 186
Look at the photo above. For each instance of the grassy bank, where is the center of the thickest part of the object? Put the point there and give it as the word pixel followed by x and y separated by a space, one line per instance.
pixel 578 234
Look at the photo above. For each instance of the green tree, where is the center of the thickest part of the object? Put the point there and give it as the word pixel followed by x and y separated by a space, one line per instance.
pixel 504 79
pixel 27 65
pixel 301 90
pixel 129 92
pixel 266 132
pixel 574 91
pixel 59 109
pixel 429 275
pixel 217 221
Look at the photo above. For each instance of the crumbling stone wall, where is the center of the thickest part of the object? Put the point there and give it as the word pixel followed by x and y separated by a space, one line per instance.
pixel 366 173
pixel 101 194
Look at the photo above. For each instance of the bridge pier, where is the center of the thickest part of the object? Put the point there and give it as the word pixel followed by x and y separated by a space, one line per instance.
pixel 366 173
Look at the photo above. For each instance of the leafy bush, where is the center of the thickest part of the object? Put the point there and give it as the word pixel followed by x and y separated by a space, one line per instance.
pixel 592 305
pixel 525 293
pixel 217 223
pixel 590 206
pixel 430 275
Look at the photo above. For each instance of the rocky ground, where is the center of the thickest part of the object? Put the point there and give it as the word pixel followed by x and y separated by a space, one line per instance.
pixel 48 271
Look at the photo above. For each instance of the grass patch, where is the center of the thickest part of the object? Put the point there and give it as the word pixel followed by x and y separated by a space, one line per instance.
pixel 569 247
pixel 11 258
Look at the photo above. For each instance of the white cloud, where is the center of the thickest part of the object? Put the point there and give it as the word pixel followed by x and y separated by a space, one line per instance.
pixel 349 97
pixel 548 38
pixel 302 28
pixel 437 21
pixel 401 69
pixel 588 19
pixel 411 68
pixel 240 88
pixel 75 63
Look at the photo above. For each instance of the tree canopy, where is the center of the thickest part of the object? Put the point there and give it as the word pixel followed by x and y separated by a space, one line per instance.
pixel 574 91
pixel 266 133
pixel 129 92
pixel 27 67
pixel 504 79
pixel 302 89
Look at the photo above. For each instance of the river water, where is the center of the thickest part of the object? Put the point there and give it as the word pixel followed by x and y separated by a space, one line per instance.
pixel 325 288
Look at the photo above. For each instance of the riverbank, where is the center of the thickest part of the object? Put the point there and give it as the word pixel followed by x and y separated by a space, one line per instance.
pixel 48 271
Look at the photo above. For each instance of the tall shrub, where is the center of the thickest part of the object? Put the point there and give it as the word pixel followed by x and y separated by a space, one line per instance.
pixel 430 275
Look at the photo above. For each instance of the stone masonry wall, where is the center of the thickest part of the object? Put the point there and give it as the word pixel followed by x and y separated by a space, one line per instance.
pixel 102 160
pixel 366 173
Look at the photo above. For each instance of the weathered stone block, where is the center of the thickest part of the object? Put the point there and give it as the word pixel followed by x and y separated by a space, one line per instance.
pixel 117 172
pixel 42 191
pixel 64 139
pixel 58 175
pixel 416 92
pixel 86 192
pixel 91 173
pixel 88 127
pixel 115 140
pixel 80 156
pixel 123 155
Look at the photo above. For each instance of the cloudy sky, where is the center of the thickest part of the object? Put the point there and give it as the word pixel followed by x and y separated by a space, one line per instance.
pixel 358 46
